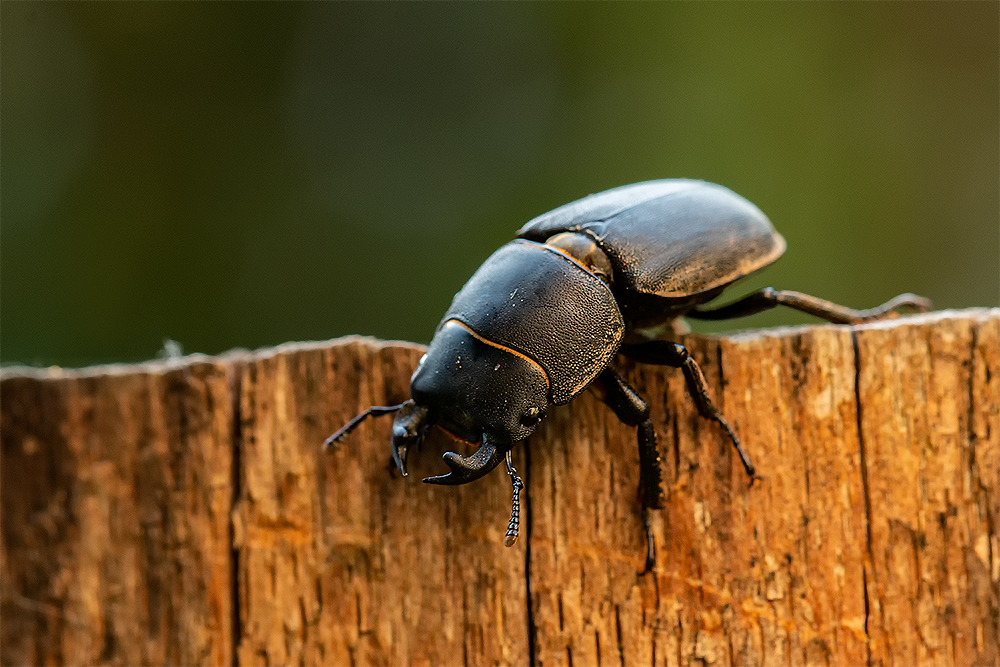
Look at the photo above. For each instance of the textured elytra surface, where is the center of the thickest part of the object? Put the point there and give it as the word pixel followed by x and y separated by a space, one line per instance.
pixel 187 515
pixel 672 237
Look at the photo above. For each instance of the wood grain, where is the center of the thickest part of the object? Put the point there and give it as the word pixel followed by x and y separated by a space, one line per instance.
pixel 185 513
pixel 116 493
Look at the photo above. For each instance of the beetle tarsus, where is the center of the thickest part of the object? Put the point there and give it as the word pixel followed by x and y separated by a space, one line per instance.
pixel 650 565
pixel 768 298
pixel 515 511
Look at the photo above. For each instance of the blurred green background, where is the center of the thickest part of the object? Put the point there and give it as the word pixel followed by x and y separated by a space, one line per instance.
pixel 247 174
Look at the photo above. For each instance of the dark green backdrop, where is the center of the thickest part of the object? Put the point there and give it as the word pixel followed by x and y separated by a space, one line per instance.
pixel 247 174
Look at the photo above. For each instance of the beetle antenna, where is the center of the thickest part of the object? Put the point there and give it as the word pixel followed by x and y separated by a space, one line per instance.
pixel 515 511
pixel 373 411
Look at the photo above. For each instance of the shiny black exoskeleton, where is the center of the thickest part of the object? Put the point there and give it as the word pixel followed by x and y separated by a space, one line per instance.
pixel 544 317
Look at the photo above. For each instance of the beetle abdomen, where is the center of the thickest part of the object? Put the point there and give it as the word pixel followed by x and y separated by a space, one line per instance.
pixel 545 305
pixel 671 238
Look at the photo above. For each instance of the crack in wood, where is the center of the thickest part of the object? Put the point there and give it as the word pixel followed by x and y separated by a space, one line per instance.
pixel 865 490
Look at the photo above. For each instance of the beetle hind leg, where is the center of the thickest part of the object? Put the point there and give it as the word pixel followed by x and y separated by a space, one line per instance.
pixel 769 298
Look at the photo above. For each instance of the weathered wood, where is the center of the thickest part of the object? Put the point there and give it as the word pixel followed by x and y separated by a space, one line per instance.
pixel 186 514
pixel 340 561
pixel 116 496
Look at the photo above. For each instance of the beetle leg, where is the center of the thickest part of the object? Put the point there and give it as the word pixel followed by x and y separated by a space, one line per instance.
pixel 629 407
pixel 769 298
pixel 650 544
pixel 676 355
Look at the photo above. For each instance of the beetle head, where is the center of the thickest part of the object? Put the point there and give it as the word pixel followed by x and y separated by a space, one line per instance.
pixel 480 392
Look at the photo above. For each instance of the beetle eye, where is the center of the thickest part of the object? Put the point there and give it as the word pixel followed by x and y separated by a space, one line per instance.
pixel 531 417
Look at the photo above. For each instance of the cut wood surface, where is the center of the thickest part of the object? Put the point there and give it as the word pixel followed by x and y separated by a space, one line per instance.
pixel 184 512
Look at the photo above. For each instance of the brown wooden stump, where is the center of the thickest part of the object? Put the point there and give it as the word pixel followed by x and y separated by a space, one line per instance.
pixel 117 489
pixel 184 513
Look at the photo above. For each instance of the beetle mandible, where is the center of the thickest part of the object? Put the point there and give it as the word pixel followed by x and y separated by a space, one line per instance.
pixel 545 316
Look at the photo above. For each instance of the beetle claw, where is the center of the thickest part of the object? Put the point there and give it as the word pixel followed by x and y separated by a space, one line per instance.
pixel 466 469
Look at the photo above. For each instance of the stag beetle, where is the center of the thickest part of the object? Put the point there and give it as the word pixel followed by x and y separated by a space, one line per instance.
pixel 544 317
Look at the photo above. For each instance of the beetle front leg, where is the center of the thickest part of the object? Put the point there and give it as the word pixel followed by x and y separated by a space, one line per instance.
pixel 677 356
pixel 631 409
pixel 769 298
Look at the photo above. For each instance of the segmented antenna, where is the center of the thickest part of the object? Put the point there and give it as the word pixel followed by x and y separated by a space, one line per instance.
pixel 515 510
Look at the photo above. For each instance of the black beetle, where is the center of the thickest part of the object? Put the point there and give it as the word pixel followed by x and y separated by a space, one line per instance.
pixel 545 315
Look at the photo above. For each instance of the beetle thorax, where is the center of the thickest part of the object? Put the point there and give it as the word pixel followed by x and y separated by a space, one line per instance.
pixel 585 250
pixel 540 302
